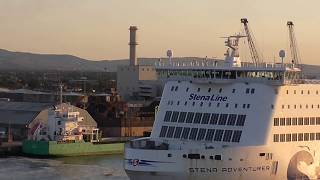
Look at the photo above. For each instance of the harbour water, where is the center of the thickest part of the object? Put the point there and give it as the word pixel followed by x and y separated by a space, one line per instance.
pixel 77 168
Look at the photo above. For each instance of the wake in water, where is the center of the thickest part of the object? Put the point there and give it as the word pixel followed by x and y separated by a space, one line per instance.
pixel 66 168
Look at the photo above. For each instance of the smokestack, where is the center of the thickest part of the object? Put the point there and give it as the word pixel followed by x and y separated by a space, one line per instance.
pixel 132 44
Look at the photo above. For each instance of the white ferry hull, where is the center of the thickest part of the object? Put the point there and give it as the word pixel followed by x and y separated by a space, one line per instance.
pixel 231 121
pixel 247 163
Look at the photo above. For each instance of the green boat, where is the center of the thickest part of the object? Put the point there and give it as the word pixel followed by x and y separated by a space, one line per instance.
pixel 54 148
pixel 66 130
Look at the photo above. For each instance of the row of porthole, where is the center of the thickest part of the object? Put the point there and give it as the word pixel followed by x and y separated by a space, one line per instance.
pixel 244 106
pixel 248 90
pixel 301 106
pixel 302 92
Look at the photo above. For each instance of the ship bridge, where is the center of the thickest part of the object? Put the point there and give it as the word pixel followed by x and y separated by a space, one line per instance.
pixel 215 72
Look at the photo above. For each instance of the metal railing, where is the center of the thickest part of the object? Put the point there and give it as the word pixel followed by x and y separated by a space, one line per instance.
pixel 217 64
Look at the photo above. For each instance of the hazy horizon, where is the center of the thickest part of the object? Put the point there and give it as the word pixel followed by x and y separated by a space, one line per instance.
pixel 98 29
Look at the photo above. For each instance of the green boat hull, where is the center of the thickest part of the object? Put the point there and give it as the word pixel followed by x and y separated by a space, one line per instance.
pixel 52 148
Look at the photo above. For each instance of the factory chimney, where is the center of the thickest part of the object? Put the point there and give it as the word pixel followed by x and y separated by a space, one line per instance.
pixel 132 44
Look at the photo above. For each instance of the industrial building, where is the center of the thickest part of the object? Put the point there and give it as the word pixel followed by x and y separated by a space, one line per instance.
pixel 136 81
pixel 15 116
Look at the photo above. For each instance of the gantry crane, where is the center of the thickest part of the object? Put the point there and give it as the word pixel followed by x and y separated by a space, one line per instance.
pixel 293 44
pixel 256 58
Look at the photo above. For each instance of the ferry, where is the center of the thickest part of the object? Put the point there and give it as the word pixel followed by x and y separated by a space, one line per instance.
pixel 231 120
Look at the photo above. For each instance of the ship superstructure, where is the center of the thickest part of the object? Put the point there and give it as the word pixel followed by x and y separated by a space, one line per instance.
pixel 231 120
pixel 63 125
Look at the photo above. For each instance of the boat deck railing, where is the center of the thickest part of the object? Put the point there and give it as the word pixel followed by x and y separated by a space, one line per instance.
pixel 220 64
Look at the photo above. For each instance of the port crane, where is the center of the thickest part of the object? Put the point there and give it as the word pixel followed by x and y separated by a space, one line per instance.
pixel 293 44
pixel 256 58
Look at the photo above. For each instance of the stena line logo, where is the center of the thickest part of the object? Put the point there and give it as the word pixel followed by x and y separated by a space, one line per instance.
pixel 213 97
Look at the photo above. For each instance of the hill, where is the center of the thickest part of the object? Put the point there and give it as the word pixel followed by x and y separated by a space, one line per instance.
pixel 23 61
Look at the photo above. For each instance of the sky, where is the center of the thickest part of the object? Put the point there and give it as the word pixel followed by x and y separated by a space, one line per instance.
pixel 98 29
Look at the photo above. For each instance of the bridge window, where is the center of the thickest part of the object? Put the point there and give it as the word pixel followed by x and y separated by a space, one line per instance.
pixel 306 137
pixel 282 121
pixel 276 138
pixel 282 137
pixel 288 137
pixel 300 137
pixel 232 119
pixel 294 121
pixel 227 135
pixel 236 136
pixel 178 132
pixel 197 118
pixel 241 120
pixel 223 119
pixel 163 131
pixel 201 134
pixel 185 133
pixel 190 117
pixel 167 116
pixel 306 121
pixel 174 117
pixel 276 122
pixel 214 118
pixel 193 133
pixel 294 137
pixel 170 132
pixel 209 135
pixel 218 135
pixel 312 136
pixel 205 118
pixel 312 121
pixel 288 121
pixel 182 117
